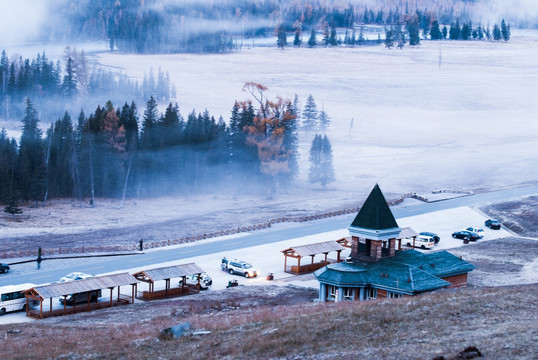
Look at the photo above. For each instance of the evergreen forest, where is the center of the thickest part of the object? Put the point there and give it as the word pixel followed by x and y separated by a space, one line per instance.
pixel 154 26
pixel 127 152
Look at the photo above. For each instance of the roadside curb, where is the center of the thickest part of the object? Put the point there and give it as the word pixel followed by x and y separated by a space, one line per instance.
pixel 56 257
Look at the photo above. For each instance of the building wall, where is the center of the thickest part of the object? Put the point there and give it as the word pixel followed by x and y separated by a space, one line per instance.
pixel 457 280
pixel 381 293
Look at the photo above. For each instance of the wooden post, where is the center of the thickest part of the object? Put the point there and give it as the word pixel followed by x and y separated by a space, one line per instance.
pixel 312 263
pixel 285 261
pixel 50 304
pixel 338 255
pixel 298 264
pixel 111 294
pixel 41 308
pixel 118 293
pixel 133 293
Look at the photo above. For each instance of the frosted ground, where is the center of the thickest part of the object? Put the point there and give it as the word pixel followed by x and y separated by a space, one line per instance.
pixel 467 123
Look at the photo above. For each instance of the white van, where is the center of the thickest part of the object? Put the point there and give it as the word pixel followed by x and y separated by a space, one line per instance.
pixel 422 241
pixel 12 298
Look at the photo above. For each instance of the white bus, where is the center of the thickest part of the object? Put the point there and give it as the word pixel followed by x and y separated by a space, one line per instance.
pixel 12 298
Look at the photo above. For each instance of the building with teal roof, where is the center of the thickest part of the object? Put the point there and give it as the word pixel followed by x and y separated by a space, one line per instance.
pixel 379 268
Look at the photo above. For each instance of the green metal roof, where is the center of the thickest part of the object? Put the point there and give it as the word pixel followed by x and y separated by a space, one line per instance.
pixel 375 213
pixel 410 272
pixel 439 263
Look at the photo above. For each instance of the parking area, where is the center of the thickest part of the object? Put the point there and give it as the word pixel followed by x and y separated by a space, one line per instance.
pixel 269 259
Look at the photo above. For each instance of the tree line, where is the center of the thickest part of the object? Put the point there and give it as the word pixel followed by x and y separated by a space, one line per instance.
pixel 52 86
pixel 118 153
pixel 166 27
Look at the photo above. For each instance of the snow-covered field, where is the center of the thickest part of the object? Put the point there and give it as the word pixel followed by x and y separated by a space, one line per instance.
pixel 445 113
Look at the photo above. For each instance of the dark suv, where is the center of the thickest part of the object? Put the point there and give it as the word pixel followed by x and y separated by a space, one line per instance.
pixel 465 235
pixel 493 224
pixel 4 268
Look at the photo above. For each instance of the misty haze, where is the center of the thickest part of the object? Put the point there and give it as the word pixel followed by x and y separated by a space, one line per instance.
pixel 128 126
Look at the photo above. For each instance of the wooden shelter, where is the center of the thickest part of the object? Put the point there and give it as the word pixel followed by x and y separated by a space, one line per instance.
pixel 298 252
pixel 379 268
pixel 85 288
pixel 406 233
pixel 167 273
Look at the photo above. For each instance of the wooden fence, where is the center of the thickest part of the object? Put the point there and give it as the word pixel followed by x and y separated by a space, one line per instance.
pixel 190 238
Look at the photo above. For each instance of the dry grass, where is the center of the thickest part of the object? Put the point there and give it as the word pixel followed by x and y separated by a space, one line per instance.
pixel 500 322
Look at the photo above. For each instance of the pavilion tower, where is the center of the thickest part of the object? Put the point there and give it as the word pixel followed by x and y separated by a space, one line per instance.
pixel 374 230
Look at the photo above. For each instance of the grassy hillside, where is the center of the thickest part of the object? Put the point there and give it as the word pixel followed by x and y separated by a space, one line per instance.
pixel 282 322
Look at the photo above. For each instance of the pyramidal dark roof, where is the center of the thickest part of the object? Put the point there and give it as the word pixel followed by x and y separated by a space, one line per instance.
pixel 375 213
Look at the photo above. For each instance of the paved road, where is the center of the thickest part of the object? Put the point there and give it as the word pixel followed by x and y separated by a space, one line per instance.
pixel 104 265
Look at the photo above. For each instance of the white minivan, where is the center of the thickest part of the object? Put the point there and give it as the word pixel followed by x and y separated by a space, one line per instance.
pixel 422 241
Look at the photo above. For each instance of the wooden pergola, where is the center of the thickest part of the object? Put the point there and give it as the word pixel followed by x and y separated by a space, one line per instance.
pixel 167 273
pixel 84 286
pixel 406 233
pixel 298 252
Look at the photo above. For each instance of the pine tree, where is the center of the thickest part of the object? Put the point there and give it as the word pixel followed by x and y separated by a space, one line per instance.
pixel 444 32
pixel 414 31
pixel 466 31
pixel 69 84
pixel 8 156
pixel 389 38
pixel 321 161
pixel 31 156
pixel 315 159
pixel 496 32
pixel 505 31
pixel 312 40
pixel 148 137
pixel 435 32
pixel 327 168
pixel 324 120
pixel 12 208
pixel 281 40
pixel 455 31
pixel 333 41
pixel 309 115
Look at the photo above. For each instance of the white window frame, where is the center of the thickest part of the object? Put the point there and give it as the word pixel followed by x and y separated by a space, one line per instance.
pixel 371 293
pixel 349 294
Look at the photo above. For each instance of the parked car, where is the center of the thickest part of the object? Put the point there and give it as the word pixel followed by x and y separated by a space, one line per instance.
pixel 422 241
pixel 493 224
pixel 238 267
pixel 205 280
pixel 434 236
pixel 80 298
pixel 477 230
pixel 466 235
pixel 74 276
pixel 4 268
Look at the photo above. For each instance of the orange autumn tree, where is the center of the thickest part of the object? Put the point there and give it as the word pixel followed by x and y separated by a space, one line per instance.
pixel 267 133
